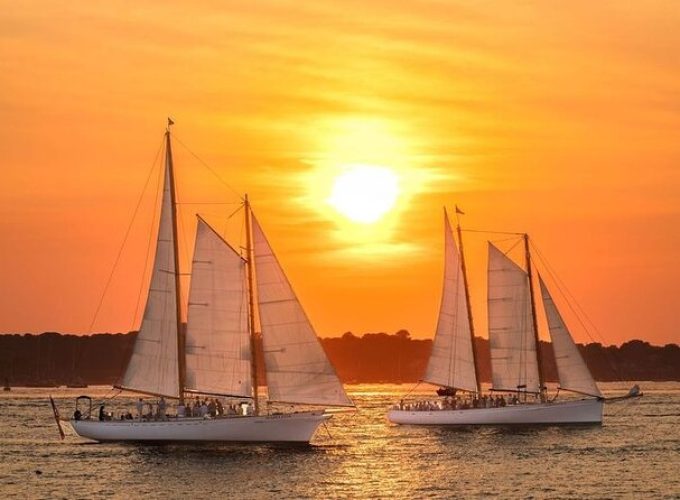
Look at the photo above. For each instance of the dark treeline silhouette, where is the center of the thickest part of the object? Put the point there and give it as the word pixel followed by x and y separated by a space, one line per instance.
pixel 55 359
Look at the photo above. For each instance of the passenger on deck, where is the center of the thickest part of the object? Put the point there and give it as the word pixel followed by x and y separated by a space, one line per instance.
pixel 140 408
pixel 181 410
pixel 161 408
pixel 102 415
pixel 212 408
pixel 219 408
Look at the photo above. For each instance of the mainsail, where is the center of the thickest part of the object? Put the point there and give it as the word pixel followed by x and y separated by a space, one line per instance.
pixel 298 370
pixel 513 348
pixel 571 369
pixel 451 362
pixel 218 340
pixel 153 367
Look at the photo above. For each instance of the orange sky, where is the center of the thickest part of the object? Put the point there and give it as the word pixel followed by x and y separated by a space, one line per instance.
pixel 562 120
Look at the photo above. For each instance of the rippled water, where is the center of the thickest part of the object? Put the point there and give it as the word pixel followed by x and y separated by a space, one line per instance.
pixel 635 454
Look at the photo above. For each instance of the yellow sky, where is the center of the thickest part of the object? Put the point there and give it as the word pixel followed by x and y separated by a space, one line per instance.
pixel 560 119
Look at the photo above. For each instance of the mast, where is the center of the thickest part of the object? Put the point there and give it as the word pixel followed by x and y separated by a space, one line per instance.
pixel 467 300
pixel 534 319
pixel 251 303
pixel 181 356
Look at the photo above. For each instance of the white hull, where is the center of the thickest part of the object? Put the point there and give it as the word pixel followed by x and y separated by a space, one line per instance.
pixel 583 411
pixel 284 428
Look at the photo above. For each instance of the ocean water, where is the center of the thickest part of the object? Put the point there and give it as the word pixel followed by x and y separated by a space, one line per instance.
pixel 634 454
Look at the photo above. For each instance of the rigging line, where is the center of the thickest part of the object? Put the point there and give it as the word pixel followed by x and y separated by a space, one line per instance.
pixel 491 232
pixel 208 203
pixel 566 293
pixel 210 169
pixel 412 389
pixel 125 238
pixel 148 251
pixel 512 247
pixel 503 240
pixel 581 313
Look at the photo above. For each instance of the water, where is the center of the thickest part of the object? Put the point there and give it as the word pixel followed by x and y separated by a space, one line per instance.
pixel 635 454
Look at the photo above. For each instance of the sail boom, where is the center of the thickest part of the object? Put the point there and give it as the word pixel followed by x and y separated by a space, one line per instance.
pixel 580 392
pixel 308 403
pixel 220 394
pixel 522 390
pixel 455 387
pixel 147 393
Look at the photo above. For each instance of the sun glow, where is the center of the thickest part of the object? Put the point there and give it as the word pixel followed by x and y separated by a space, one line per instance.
pixel 362 178
pixel 365 193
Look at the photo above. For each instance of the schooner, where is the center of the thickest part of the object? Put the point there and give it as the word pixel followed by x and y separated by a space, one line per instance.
pixel 217 355
pixel 516 365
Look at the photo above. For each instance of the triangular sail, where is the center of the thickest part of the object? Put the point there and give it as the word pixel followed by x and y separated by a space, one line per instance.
pixel 153 367
pixel 513 348
pixel 218 340
pixel 451 362
pixel 298 370
pixel 571 369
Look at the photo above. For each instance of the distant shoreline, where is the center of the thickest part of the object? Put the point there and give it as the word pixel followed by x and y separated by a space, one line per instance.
pixel 51 359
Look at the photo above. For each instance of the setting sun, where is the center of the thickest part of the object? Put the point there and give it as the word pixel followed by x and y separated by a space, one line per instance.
pixel 365 193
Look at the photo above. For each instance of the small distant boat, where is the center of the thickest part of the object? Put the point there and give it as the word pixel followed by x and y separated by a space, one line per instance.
pixel 217 355
pixel 517 370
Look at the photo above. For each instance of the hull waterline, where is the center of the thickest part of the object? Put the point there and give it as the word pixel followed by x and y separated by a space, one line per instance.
pixel 284 428
pixel 584 411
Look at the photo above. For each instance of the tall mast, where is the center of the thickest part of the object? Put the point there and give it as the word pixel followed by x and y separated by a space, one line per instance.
pixel 251 304
pixel 181 360
pixel 533 316
pixel 467 300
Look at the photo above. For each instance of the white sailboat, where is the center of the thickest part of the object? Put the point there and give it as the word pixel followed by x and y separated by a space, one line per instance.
pixel 217 356
pixel 515 358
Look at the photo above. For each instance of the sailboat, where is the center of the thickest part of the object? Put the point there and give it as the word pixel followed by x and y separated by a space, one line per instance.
pixel 217 355
pixel 517 369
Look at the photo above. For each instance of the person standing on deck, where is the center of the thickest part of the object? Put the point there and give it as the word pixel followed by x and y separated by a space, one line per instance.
pixel 140 408
pixel 161 408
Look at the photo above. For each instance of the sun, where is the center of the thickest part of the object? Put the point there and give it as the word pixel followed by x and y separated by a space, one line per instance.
pixel 364 193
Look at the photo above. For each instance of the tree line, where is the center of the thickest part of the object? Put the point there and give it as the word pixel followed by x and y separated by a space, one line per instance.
pixel 56 359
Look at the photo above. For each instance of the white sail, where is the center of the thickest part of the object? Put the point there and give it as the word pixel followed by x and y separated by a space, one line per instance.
pixel 153 366
pixel 571 368
pixel 298 370
pixel 511 337
pixel 217 344
pixel 451 362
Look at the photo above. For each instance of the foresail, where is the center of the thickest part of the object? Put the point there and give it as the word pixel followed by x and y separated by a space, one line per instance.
pixel 571 368
pixel 511 339
pixel 218 341
pixel 298 370
pixel 153 366
pixel 451 362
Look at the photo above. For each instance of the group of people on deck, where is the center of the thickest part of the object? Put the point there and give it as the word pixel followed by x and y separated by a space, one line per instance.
pixel 203 408
pixel 458 403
